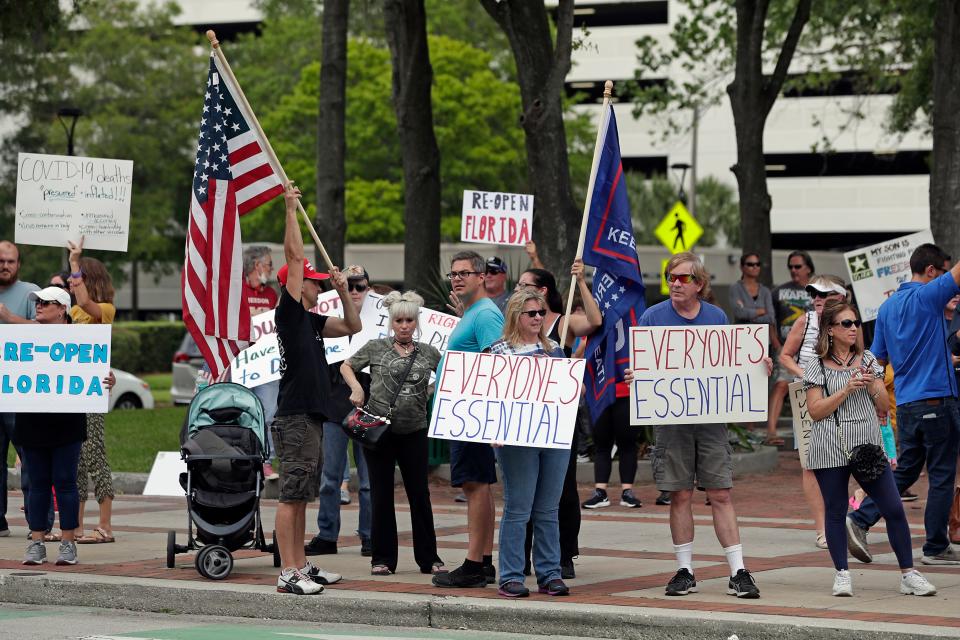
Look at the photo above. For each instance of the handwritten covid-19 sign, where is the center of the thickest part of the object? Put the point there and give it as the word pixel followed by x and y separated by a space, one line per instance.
pixel 496 218
pixel 698 374
pixel 510 400
pixel 64 198
pixel 60 368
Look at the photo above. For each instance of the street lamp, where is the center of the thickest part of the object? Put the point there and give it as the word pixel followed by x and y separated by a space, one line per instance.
pixel 73 113
pixel 682 167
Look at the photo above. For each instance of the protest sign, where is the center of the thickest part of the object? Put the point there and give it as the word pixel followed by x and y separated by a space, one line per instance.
pixel 802 422
pixel 876 271
pixel 698 374
pixel 435 327
pixel 512 400
pixel 54 367
pixel 164 478
pixel 61 198
pixel 496 218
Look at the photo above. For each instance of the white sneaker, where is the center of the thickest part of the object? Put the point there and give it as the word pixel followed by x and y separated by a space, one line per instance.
pixel 320 576
pixel 293 581
pixel 947 556
pixel 842 585
pixel 913 583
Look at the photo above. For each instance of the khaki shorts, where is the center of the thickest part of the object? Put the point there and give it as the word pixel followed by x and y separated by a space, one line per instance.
pixel 297 440
pixel 689 455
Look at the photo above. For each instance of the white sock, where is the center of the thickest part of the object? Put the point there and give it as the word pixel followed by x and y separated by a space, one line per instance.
pixel 734 555
pixel 684 555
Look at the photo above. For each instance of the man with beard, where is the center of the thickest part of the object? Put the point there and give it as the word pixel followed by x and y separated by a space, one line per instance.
pixel 15 308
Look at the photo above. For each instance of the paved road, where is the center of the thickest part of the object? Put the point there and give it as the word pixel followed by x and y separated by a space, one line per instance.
pixel 19 622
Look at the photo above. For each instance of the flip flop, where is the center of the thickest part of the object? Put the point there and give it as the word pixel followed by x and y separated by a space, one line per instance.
pixel 380 570
pixel 52 537
pixel 774 442
pixel 99 536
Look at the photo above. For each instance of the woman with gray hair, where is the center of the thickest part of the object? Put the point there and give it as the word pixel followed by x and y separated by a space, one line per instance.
pixel 400 368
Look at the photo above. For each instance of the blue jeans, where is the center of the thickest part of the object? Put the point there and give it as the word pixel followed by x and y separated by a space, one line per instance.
pixel 532 484
pixel 268 398
pixel 7 422
pixel 928 434
pixel 56 467
pixel 335 443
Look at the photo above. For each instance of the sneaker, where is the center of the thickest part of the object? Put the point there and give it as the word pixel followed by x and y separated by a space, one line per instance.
pixel 947 556
pixel 4 533
pixel 293 581
pixel 459 579
pixel 821 542
pixel 627 499
pixel 4 528
pixel 320 576
pixel 268 472
pixel 842 585
pixel 318 547
pixel 344 496
pixel 582 458
pixel 554 588
pixel 914 584
pixel 366 547
pixel 743 585
pixel 907 496
pixel 460 497
pixel 513 589
pixel 490 572
pixel 663 499
pixel 567 572
pixel 857 542
pixel 67 554
pixel 598 500
pixel 681 584
pixel 36 553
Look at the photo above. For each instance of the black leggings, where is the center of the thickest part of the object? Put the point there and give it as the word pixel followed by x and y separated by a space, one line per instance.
pixel 833 485
pixel 614 426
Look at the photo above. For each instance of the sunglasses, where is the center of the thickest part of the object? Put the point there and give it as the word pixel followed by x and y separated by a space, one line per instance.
pixel 357 287
pixel 821 294
pixel 795 267
pixel 751 264
pixel 846 324
pixel 684 278
pixel 525 284
pixel 45 303
pixel 534 313
pixel 462 275
pixel 494 272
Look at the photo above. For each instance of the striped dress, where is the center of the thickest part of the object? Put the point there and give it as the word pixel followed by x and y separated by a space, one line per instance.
pixel 857 414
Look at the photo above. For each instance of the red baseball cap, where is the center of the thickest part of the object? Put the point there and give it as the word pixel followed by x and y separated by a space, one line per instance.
pixel 308 272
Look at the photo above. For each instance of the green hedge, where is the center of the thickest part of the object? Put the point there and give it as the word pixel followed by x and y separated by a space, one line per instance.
pixel 144 347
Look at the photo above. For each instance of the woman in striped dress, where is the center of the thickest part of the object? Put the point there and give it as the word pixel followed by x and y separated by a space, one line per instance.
pixel 845 393
pixel 800 348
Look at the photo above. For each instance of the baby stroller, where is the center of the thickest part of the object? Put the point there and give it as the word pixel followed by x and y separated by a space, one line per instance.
pixel 222 442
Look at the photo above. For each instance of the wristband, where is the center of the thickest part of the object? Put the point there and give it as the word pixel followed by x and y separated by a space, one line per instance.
pixel 78 274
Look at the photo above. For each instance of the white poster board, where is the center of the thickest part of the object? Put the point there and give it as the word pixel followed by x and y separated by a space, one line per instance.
pixel 61 198
pixel 164 478
pixel 435 327
pixel 496 218
pixel 802 422
pixel 511 400
pixel 698 374
pixel 54 367
pixel 876 271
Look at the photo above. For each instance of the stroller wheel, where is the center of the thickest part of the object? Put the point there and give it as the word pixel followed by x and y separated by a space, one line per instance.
pixel 171 549
pixel 276 550
pixel 214 562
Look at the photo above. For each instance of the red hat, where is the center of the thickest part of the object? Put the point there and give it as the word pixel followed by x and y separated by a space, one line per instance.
pixel 308 273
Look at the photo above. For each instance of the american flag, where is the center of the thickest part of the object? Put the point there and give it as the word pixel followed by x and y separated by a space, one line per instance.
pixel 231 177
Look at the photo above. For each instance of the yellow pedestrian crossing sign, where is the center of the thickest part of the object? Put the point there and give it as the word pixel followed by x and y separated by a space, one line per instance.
pixel 678 231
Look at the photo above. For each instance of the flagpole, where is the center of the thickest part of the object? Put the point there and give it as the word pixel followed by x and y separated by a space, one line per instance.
pixel 212 37
pixel 597 149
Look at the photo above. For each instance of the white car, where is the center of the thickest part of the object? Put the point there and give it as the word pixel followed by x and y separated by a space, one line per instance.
pixel 130 392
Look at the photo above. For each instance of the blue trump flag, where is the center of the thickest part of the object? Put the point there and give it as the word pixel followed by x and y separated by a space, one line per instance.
pixel 617 283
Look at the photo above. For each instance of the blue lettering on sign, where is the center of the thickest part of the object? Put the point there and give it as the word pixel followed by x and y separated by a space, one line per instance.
pixel 695 396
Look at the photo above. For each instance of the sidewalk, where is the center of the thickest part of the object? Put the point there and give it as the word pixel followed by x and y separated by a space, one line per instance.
pixel 626 559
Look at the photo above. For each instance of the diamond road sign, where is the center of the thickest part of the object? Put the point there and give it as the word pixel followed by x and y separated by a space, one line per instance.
pixel 678 231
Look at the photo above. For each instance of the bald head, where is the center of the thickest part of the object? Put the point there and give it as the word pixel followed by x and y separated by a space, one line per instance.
pixel 9 263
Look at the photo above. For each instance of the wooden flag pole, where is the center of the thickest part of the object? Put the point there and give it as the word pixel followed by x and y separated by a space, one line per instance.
pixel 597 149
pixel 212 37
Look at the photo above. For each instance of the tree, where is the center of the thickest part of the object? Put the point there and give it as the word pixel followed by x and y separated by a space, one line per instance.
pixel 651 199
pixel 542 65
pixel 945 168
pixel 330 218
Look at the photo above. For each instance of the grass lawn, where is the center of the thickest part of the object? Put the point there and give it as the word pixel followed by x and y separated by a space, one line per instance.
pixel 159 387
pixel 135 437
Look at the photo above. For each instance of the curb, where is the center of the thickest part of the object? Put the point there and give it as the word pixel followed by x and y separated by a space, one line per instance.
pixel 405 610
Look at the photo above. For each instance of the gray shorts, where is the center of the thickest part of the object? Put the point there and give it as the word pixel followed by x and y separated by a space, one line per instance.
pixel 689 455
pixel 297 440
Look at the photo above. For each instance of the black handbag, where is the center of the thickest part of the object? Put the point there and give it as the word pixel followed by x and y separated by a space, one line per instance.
pixel 867 461
pixel 367 427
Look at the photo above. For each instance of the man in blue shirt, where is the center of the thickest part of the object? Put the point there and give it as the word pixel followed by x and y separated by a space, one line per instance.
pixel 472 464
pixel 911 335
pixel 689 455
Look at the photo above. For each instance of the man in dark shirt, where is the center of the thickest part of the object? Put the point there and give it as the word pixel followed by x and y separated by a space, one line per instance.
pixel 302 403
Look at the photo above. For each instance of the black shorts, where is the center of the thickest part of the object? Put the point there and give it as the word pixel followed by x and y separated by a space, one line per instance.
pixel 472 462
